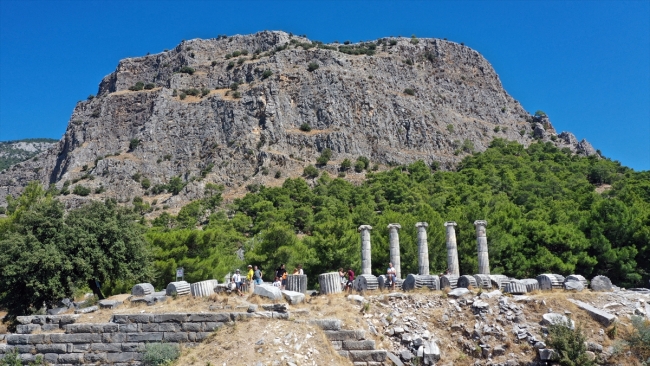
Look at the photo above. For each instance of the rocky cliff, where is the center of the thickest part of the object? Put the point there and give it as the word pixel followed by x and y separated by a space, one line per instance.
pixel 13 152
pixel 176 114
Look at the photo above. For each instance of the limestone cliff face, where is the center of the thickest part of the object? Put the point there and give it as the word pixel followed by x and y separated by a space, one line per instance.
pixel 356 105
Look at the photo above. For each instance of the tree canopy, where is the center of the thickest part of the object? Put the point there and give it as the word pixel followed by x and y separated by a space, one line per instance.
pixel 45 254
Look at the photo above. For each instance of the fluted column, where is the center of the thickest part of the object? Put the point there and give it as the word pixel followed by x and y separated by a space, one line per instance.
pixel 452 249
pixel 366 262
pixel 393 239
pixel 423 248
pixel 482 247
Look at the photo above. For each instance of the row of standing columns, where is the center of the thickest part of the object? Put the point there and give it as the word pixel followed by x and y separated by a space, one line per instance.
pixel 423 248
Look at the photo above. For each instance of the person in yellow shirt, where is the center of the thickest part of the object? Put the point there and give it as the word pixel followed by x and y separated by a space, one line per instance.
pixel 249 278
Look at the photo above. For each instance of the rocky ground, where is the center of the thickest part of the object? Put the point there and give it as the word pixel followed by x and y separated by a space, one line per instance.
pixel 415 328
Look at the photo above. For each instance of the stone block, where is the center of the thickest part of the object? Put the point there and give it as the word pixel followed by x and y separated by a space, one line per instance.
pixel 27 358
pixel 344 335
pixel 114 337
pixel 71 358
pixel 239 316
pixel 555 318
pixel 211 326
pixel 201 336
pixel 276 315
pixel 344 354
pixel 337 345
pixel 141 318
pixel 123 357
pixel 327 324
pixel 459 292
pixel 25 319
pixel 107 347
pixel 293 297
pixel 129 328
pixel 358 345
pixel 79 347
pixel 207 317
pixel 394 359
pixel 601 283
pixel 14 339
pixel 95 357
pixel 90 309
pixel 27 328
pixel 51 358
pixel 366 356
pixel 268 291
pixel 78 328
pixel 170 318
pixel 25 348
pixel 3 348
pixel 67 319
pixel 76 338
pixel 168 327
pixel 109 304
pixel 150 327
pixel 175 337
pixel 133 347
pixel 546 354
pixel 120 319
pixel 601 316
pixel 431 353
pixel 191 327
pixel 50 327
pixel 144 337
pixel 51 348
pixel 574 286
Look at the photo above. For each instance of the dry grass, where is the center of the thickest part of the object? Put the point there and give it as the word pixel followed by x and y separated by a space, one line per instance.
pixel 237 345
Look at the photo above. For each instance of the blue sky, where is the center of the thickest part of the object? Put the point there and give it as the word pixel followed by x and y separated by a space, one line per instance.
pixel 585 63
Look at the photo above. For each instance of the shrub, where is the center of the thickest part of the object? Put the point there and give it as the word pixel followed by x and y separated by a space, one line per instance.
pixel 310 171
pixel 324 157
pixel 312 66
pixel 358 166
pixel 231 64
pixel 450 128
pixel 205 92
pixel 639 340
pixel 234 86
pixel 136 177
pixel 80 190
pixel 91 97
pixel 176 185
pixel 265 171
pixel 138 86
pixel 408 61
pixel 569 344
pixel 100 189
pixel 346 42
pixel 278 174
pixel 236 95
pixel 365 161
pixel 393 42
pixel 145 183
pixel 214 63
pixel 346 164
pixel 157 354
pixel 414 39
pixel 266 73
pixel 409 91
pixel 540 113
pixel 236 54
pixel 175 93
pixel 96 113
pixel 182 95
pixel 468 146
pixel 187 70
pixel 241 60
pixel 305 127
pixel 228 56
pixel 150 86
pixel 497 129
pixel 133 144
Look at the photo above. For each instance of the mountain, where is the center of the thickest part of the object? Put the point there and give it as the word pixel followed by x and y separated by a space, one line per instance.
pixel 13 152
pixel 254 109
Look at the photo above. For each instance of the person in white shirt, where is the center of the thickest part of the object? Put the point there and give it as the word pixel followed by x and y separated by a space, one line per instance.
pixel 277 282
pixel 237 279
pixel 391 275
pixel 300 271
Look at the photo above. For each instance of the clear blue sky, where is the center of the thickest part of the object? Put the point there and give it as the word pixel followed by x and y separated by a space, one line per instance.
pixel 585 63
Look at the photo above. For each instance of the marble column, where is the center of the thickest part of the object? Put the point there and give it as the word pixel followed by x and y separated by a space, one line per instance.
pixel 393 239
pixel 482 247
pixel 423 248
pixel 366 261
pixel 452 249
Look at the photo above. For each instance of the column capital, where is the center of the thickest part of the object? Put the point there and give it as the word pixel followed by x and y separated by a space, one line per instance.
pixel 422 224
pixel 364 227
pixel 480 222
pixel 394 226
pixel 450 223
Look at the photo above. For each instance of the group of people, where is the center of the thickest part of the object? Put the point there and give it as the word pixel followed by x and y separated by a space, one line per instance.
pixel 254 277
pixel 347 278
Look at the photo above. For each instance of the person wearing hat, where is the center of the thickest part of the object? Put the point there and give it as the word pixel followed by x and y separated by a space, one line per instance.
pixel 237 279
pixel 249 278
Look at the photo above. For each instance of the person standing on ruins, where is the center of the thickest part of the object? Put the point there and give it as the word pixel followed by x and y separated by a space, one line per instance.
pixel 257 276
pixel 281 273
pixel 391 274
pixel 348 286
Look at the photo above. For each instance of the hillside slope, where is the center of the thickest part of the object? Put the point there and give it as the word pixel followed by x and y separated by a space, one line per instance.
pixel 399 101
pixel 13 152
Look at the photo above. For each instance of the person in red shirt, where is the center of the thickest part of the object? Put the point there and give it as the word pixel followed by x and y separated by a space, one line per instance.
pixel 348 286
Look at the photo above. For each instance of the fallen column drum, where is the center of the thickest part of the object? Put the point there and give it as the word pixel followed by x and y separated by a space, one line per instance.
pixel 448 281
pixel 178 288
pixel 466 281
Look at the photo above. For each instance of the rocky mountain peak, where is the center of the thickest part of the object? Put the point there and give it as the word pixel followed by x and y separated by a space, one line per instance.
pixel 254 109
